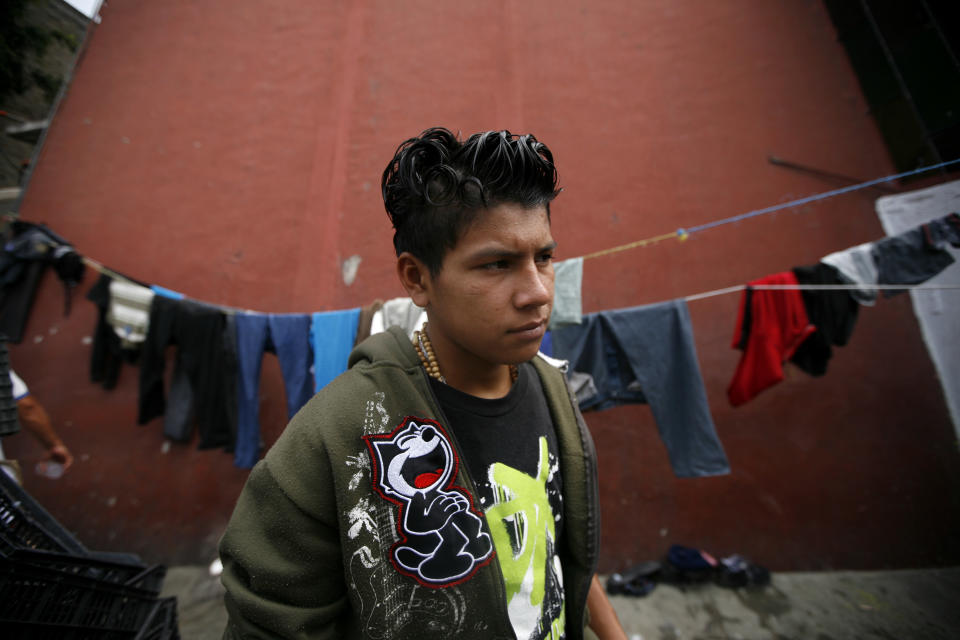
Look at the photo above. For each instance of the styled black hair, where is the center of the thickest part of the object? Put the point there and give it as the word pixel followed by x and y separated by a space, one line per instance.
pixel 435 186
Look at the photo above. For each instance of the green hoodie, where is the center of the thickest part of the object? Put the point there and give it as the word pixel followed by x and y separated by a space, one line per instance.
pixel 308 552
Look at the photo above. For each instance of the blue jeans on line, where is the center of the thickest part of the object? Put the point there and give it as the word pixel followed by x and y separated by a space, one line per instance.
pixel 286 335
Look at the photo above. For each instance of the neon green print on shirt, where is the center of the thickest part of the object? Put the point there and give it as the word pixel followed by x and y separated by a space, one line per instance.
pixel 522 506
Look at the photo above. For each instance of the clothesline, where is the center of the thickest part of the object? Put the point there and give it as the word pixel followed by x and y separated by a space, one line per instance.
pixel 822 287
pixel 107 271
pixel 683 234
pixel 697 296
pixel 330 349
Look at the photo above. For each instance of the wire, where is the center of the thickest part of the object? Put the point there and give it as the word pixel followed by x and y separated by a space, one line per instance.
pixel 682 234
pixel 822 287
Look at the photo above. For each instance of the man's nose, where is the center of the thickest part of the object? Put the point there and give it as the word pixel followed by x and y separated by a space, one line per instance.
pixel 535 286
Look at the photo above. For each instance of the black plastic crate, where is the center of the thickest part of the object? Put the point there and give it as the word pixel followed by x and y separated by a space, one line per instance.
pixel 39 602
pixel 132 575
pixel 163 625
pixel 53 587
pixel 26 524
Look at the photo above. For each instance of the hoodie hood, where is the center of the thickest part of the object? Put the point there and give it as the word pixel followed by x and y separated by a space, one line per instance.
pixel 392 345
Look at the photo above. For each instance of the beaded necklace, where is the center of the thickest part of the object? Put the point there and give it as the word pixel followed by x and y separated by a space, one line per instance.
pixel 428 359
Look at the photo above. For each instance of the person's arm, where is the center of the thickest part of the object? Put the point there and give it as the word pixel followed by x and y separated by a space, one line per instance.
pixel 283 568
pixel 34 418
pixel 603 619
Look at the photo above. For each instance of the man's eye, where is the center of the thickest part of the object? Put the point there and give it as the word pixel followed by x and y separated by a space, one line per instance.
pixel 545 257
pixel 496 265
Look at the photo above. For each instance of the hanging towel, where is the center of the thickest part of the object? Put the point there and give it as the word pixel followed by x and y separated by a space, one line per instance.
pixel 771 325
pixel 856 266
pixel 129 312
pixel 833 313
pixel 202 376
pixel 646 354
pixel 332 334
pixel 398 312
pixel 916 255
pixel 286 335
pixel 567 305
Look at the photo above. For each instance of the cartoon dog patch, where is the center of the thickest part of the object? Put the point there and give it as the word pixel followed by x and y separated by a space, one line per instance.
pixel 442 541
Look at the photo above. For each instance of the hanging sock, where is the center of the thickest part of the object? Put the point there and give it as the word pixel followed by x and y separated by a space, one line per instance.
pixel 332 334
pixel 646 354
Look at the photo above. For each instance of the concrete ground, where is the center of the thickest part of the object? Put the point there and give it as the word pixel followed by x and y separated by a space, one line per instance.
pixel 861 605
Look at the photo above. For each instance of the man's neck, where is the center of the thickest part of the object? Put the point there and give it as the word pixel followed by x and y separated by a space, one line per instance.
pixel 490 384
pixel 469 374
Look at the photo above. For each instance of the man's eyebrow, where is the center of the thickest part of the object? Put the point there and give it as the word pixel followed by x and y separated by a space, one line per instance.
pixel 494 253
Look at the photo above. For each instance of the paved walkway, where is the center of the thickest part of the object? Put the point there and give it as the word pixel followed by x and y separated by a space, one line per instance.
pixel 862 605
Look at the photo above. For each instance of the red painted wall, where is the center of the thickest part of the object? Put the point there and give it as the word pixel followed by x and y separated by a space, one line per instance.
pixel 232 151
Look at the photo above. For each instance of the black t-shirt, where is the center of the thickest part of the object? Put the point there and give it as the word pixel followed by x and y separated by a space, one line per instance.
pixel 510 448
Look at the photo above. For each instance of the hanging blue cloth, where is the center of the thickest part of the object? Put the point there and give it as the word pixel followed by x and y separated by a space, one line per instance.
pixel 332 334
pixel 166 293
pixel 546 345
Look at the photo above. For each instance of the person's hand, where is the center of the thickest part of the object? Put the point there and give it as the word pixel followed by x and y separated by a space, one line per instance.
pixel 60 453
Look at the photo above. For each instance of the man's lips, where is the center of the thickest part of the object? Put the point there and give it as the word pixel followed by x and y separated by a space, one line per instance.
pixel 530 327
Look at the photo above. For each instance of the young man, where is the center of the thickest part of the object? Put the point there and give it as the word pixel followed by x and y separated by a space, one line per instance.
pixel 444 488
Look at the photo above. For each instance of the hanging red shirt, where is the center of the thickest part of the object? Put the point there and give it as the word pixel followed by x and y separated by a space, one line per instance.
pixel 771 324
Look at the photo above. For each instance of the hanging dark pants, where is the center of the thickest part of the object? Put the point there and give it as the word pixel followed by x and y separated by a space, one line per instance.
pixel 646 354
pixel 203 385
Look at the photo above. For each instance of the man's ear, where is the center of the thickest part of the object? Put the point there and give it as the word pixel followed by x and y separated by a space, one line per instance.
pixel 415 278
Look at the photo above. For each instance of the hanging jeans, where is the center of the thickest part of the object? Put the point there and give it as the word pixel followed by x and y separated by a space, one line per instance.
pixel 646 354
pixel 201 387
pixel 286 335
